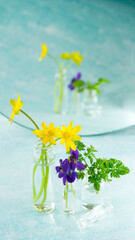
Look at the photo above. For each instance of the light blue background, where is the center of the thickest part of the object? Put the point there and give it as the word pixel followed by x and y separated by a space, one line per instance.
pixel 103 31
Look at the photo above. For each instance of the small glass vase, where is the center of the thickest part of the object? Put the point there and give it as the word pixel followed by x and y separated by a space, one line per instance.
pixel 90 102
pixel 69 198
pixel 43 170
pixel 76 102
pixel 90 197
pixel 61 92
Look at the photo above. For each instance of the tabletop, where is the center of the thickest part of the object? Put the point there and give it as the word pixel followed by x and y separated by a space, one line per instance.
pixel 18 219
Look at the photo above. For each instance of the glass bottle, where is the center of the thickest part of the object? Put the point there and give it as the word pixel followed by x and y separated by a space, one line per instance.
pixel 76 104
pixel 69 198
pixel 61 92
pixel 43 170
pixel 90 197
pixel 90 102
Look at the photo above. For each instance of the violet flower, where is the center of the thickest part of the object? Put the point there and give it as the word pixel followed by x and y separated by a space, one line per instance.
pixel 78 77
pixel 67 167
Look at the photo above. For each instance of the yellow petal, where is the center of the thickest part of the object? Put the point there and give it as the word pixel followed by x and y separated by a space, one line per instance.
pixel 13 102
pixel 39 133
pixel 66 56
pixel 59 134
pixel 44 51
pixel 70 125
pixel 19 97
pixel 76 137
pixel 72 145
pixel 51 126
pixel 63 128
pixel 76 129
pixel 62 141
pixel 44 140
pixel 52 141
pixel 12 117
pixel 21 104
pixel 57 129
pixel 44 125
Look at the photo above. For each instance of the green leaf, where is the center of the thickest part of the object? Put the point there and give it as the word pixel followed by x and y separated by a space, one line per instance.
pixel 80 145
pixel 97 186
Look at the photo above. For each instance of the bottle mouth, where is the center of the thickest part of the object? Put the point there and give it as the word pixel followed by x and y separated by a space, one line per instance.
pixel 43 156
pixel 39 162
pixel 38 145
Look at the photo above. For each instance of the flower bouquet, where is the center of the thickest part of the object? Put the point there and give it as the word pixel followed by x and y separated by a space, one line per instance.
pixel 60 83
pixel 44 157
pixel 80 163
pixel 90 92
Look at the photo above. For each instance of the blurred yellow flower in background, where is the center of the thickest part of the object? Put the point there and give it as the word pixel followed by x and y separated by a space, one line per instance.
pixel 77 58
pixel 68 136
pixel 16 106
pixel 44 51
pixel 48 133
pixel 66 56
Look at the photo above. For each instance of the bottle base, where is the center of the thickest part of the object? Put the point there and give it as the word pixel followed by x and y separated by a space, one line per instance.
pixel 45 208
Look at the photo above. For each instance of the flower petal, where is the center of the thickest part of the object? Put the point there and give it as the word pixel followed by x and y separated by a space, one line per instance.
pixel 57 169
pixel 61 174
pixel 63 128
pixel 44 125
pixel 75 153
pixel 80 166
pixel 72 145
pixel 70 125
pixel 51 126
pixel 76 129
pixel 64 179
pixel 52 141
pixel 44 52
pixel 39 133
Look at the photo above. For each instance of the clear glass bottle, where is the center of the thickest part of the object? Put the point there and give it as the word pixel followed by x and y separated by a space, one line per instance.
pixel 76 102
pixel 90 102
pixel 61 92
pixel 69 198
pixel 90 197
pixel 43 184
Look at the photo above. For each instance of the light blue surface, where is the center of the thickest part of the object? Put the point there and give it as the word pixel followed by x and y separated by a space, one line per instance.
pixel 19 221
pixel 103 31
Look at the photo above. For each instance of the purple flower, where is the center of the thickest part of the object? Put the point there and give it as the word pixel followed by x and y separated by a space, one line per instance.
pixel 75 153
pixel 74 157
pixel 67 168
pixel 78 77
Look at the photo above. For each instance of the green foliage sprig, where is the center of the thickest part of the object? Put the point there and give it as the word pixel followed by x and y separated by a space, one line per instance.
pixel 81 85
pixel 98 169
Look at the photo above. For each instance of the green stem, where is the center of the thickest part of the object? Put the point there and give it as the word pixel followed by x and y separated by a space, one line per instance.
pixel 45 186
pixel 41 187
pixel 68 65
pixel 36 197
pixel 29 118
pixel 58 99
pixel 46 181
pixel 49 55
pixel 66 195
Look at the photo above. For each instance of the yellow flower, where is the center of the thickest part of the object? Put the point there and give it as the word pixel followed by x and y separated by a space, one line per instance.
pixel 16 106
pixel 68 136
pixel 48 133
pixel 44 51
pixel 77 58
pixel 66 56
